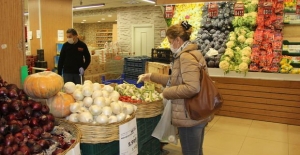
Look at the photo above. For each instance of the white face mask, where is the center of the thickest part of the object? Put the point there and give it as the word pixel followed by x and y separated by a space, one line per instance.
pixel 70 41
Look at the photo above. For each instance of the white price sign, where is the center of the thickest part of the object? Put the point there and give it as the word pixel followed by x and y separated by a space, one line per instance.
pixel 128 138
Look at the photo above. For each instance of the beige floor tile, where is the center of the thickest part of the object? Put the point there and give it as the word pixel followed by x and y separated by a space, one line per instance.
pixel 254 146
pixel 294 134
pixel 215 151
pixel 232 125
pixel 269 131
pixel 294 149
pixel 211 123
pixel 224 141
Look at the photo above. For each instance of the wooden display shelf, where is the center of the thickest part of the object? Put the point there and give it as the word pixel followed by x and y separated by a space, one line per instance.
pixel 273 97
pixel 103 36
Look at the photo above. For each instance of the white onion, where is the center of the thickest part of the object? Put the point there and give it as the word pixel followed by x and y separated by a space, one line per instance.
pixel 75 107
pixel 100 101
pixel 96 86
pixel 107 101
pixel 108 88
pixel 121 117
pixel 116 108
pixel 102 119
pixel 114 96
pixel 107 111
pixel 105 94
pixel 78 96
pixel 69 87
pixel 85 117
pixel 78 86
pixel 84 109
pixel 73 117
pixel 87 101
pixel 112 119
pixel 87 91
pixel 87 82
pixel 95 110
pixel 97 93
pixel 128 109
pixel 127 117
pixel 80 103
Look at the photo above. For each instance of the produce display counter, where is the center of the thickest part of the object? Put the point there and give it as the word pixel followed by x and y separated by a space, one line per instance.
pixel 270 97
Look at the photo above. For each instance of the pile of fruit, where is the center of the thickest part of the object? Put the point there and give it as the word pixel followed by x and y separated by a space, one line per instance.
pixel 26 126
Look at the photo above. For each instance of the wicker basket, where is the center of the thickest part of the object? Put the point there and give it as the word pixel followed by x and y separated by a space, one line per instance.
pixel 73 129
pixel 96 133
pixel 149 109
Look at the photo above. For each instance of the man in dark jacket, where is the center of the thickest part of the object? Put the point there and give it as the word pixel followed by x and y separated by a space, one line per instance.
pixel 74 58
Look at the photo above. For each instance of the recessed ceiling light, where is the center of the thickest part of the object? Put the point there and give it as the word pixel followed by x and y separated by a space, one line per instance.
pixel 99 21
pixel 102 18
pixel 116 20
pixel 149 1
pixel 84 20
pixel 109 15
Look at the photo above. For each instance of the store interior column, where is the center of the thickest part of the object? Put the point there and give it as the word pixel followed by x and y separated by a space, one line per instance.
pixel 48 17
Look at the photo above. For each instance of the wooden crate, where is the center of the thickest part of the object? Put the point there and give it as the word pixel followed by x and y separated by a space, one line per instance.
pixel 156 67
pixel 266 100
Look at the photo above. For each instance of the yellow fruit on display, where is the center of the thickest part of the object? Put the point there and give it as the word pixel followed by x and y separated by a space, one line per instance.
pixel 295 71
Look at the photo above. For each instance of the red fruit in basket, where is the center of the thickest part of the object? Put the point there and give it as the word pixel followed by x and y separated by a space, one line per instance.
pixel 4 109
pixel 37 131
pixel 30 143
pixel 50 118
pixel 27 127
pixel 3 91
pixel 24 104
pixel 1 149
pixel 35 149
pixel 12 94
pixel 37 106
pixel 34 121
pixel 9 140
pixel 43 119
pixel 25 122
pixel 44 143
pixel 25 132
pixel 19 153
pixel 14 128
pixel 25 149
pixel 1 138
pixel 30 102
pixel 11 117
pixel 2 121
pixel 28 111
pixel 8 151
pixel 57 151
pixel 45 109
pixel 48 127
pixel 15 147
pixel 4 130
pixel 36 114
pixel 19 137
pixel 15 105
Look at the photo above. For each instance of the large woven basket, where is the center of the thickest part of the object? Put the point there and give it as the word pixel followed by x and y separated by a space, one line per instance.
pixel 149 109
pixel 73 129
pixel 96 133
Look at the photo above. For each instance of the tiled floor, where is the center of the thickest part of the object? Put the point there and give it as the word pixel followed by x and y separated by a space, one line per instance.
pixel 235 136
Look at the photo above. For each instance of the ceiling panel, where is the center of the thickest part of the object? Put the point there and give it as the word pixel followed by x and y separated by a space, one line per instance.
pixel 108 4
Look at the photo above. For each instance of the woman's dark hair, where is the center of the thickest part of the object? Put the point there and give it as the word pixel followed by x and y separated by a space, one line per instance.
pixel 72 31
pixel 180 30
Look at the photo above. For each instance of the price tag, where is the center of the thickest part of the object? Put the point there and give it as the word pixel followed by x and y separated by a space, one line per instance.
pixel 239 9
pixel 213 10
pixel 268 8
pixel 128 138
pixel 298 7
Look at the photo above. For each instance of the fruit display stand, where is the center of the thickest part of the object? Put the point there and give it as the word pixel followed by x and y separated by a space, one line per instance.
pixel 270 97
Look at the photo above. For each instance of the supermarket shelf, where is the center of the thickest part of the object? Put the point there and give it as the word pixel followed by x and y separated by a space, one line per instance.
pixel 103 36
pixel 103 32
pixel 216 72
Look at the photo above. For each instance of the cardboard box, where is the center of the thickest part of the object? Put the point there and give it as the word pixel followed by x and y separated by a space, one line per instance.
pixel 156 67
pixel 102 68
pixel 95 70
pixel 97 78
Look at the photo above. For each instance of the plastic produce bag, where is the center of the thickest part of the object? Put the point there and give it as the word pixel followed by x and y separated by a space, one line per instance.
pixel 165 131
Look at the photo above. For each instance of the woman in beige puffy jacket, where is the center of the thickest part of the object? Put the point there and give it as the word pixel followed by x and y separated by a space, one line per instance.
pixel 184 83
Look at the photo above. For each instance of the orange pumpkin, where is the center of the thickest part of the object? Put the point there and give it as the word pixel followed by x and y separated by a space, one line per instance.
pixel 43 84
pixel 59 104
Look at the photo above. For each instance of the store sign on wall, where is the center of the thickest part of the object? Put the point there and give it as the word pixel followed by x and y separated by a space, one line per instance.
pixel 239 9
pixel 128 138
pixel 213 10
pixel 169 12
